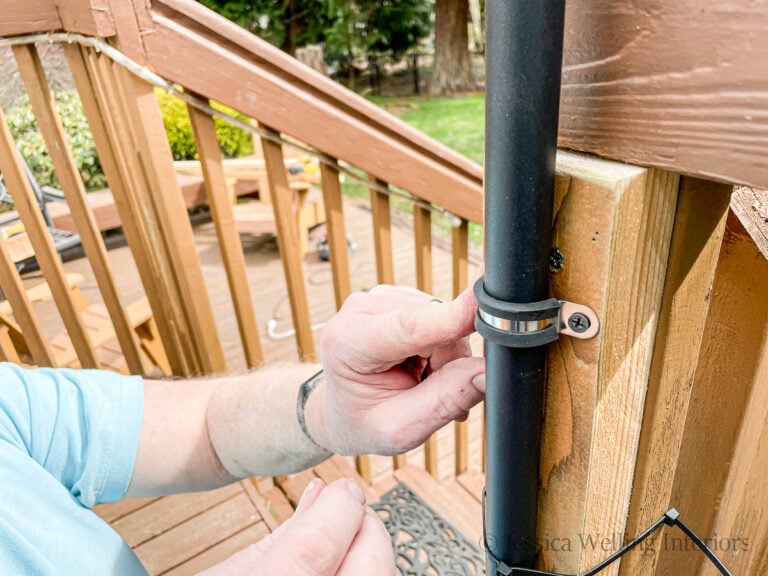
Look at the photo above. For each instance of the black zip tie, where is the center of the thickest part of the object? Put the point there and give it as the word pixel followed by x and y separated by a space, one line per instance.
pixel 671 518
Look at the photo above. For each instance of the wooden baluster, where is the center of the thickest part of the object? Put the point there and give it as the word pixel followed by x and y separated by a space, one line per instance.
pixel 26 204
pixel 288 241
pixel 460 255
pixel 169 214
pixel 229 240
pixel 422 231
pixel 337 236
pixel 92 74
pixel 339 258
pixel 385 267
pixel 34 337
pixel 44 107
pixel 382 235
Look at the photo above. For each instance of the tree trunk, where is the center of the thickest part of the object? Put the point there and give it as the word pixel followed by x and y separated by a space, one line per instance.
pixel 452 69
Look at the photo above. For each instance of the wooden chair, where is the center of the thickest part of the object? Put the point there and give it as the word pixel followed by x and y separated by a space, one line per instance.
pixel 13 346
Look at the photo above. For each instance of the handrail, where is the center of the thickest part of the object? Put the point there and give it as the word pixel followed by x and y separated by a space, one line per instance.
pixel 194 47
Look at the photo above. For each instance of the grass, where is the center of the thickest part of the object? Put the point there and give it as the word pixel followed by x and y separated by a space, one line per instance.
pixel 457 122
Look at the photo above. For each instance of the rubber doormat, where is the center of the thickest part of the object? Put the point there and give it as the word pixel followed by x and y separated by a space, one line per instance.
pixel 425 543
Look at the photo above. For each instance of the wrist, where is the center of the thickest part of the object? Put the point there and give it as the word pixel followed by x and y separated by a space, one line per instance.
pixel 310 410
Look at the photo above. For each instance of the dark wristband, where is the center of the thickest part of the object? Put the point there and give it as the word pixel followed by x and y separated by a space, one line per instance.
pixel 304 391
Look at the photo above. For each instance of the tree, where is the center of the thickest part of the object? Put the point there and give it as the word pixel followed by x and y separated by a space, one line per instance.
pixel 345 27
pixel 452 69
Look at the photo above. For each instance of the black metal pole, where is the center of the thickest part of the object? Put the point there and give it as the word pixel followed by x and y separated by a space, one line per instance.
pixel 523 66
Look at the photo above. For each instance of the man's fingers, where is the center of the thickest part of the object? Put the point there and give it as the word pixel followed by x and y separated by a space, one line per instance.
pixel 446 395
pixel 371 552
pixel 317 540
pixel 419 328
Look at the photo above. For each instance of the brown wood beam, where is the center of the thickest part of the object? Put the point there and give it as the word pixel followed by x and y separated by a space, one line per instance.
pixel 90 17
pixel 28 17
pixel 678 85
pixel 613 224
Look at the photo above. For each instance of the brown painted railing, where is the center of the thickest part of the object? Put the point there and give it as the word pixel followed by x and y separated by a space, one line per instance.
pixel 666 407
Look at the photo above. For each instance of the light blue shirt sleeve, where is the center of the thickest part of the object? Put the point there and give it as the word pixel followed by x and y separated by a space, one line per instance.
pixel 68 441
pixel 82 426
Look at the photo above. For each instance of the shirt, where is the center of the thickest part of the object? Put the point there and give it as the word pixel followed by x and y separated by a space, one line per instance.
pixel 68 441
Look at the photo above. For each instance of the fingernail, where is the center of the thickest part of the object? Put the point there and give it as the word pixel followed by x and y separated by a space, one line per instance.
pixel 479 382
pixel 355 490
pixel 309 488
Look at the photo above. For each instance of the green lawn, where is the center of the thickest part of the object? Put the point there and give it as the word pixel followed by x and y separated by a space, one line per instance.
pixel 457 122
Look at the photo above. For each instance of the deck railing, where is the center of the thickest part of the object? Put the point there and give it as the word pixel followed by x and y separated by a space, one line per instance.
pixel 666 407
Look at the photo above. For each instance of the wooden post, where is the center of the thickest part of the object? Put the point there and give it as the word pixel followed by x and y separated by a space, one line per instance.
pixel 742 517
pixel 719 453
pixel 44 107
pixel 288 241
pixel 696 240
pixel 613 224
pixel 229 240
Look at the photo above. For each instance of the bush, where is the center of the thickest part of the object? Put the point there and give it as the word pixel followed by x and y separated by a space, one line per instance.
pixel 30 141
pixel 233 141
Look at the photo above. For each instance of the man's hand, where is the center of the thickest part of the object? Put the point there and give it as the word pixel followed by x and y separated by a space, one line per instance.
pixel 332 533
pixel 398 367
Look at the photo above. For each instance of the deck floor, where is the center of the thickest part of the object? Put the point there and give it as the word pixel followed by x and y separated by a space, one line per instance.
pixel 185 533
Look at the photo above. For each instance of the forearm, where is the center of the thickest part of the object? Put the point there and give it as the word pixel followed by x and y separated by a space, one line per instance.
pixel 253 426
pixel 204 433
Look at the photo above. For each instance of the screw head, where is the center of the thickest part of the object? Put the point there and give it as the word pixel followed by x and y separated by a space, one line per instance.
pixel 578 322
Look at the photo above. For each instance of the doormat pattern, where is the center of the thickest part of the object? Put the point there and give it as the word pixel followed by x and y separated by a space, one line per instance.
pixel 425 543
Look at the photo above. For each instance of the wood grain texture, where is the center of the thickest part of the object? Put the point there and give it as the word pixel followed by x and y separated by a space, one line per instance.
pixel 677 85
pixel 207 146
pixel 751 208
pixel 729 381
pixel 696 241
pixel 28 17
pixel 742 518
pixel 90 17
pixel 613 224
pixel 202 51
pixel 44 108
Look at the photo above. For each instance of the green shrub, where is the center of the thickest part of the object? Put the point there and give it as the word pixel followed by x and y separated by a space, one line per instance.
pixel 32 146
pixel 233 141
